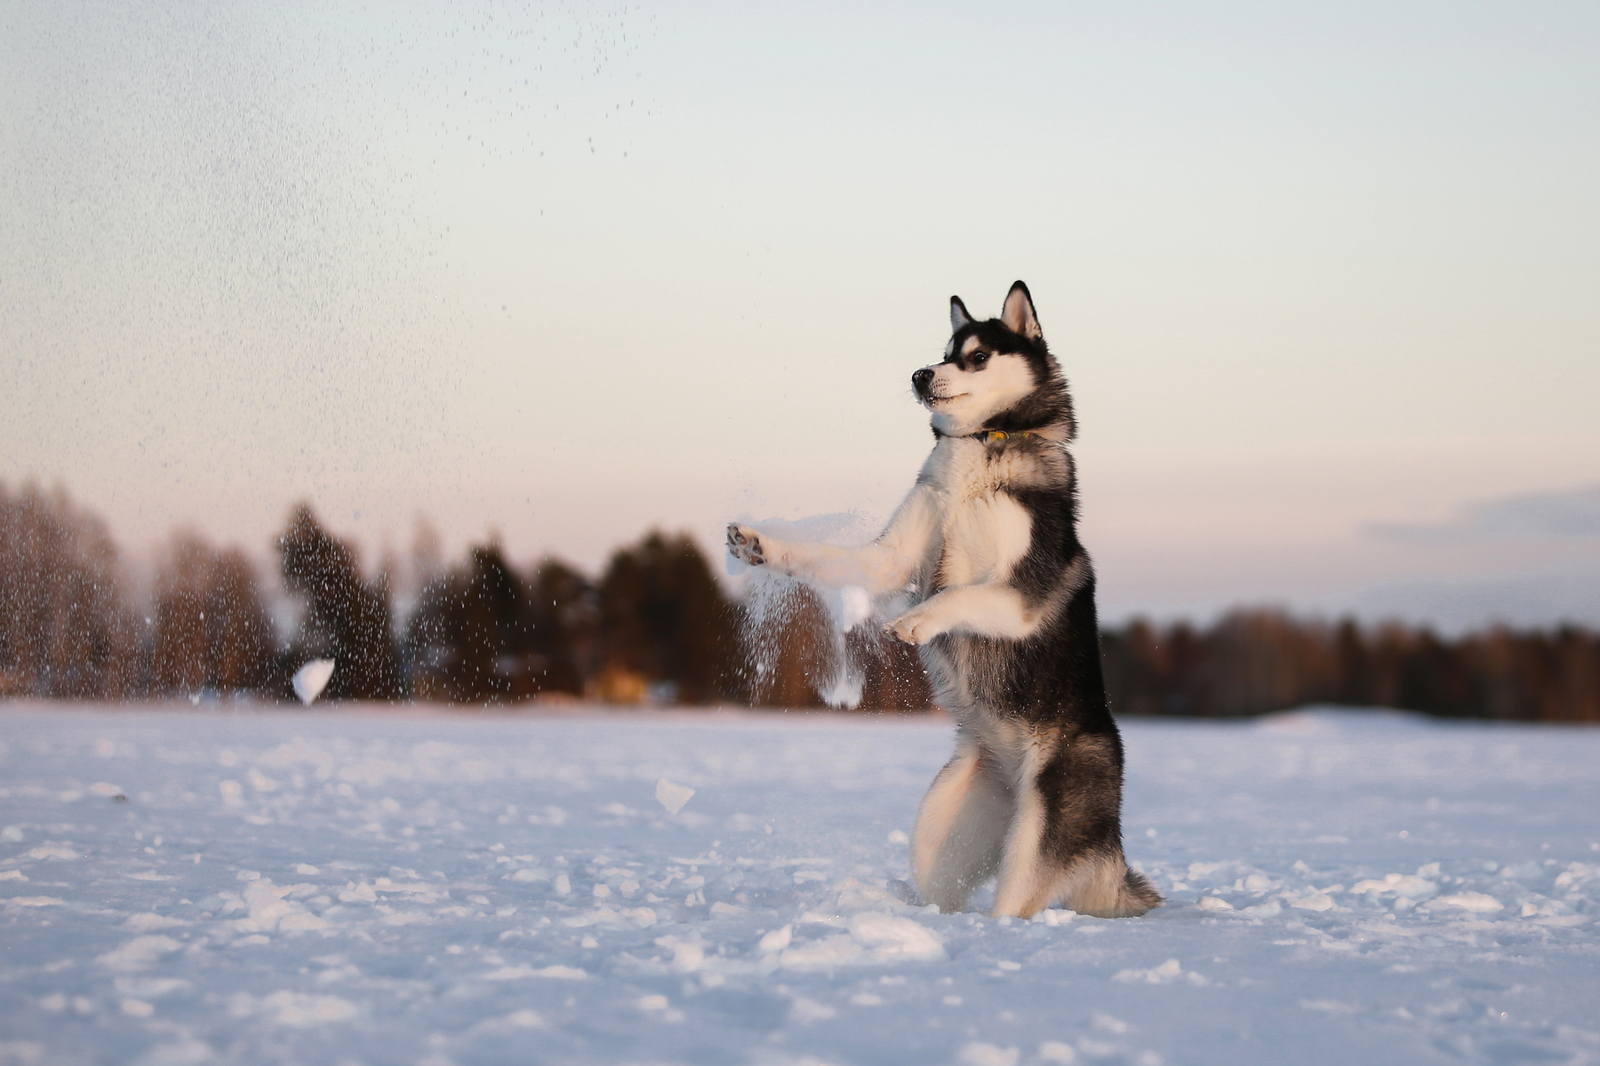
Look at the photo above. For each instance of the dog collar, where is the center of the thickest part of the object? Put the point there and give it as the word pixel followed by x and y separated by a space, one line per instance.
pixel 1000 436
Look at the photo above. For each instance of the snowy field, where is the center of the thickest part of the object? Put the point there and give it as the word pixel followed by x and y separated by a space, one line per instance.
pixel 362 886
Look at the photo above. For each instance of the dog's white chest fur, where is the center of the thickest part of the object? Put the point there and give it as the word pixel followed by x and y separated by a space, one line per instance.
pixel 984 531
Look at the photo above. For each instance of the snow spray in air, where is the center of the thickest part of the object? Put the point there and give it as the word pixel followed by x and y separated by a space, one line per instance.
pixel 827 634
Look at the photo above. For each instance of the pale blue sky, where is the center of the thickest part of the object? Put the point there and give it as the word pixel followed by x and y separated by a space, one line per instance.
pixel 1317 273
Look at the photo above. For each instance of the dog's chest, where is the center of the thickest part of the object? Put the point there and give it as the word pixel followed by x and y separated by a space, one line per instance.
pixel 984 530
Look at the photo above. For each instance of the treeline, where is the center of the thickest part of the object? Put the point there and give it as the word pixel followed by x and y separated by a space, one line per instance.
pixel 1256 662
pixel 654 627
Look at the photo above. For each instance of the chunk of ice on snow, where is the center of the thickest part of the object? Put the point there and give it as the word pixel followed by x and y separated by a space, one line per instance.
pixel 809 1010
pixel 306 922
pixel 148 922
pixel 1166 973
pixel 511 973
pixel 139 953
pixel 1400 884
pixel 778 939
pixel 302 1011
pixel 1476 902
pixel 981 1054
pixel 672 796
pixel 1317 901
pixel 829 951
pixel 312 678
pixel 896 938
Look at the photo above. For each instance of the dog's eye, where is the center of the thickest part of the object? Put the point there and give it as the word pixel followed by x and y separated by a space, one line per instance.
pixel 979 358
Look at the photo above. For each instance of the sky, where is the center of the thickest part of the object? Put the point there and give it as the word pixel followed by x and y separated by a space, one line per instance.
pixel 1322 277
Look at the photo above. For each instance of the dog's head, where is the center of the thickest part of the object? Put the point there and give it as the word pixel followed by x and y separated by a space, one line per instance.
pixel 996 374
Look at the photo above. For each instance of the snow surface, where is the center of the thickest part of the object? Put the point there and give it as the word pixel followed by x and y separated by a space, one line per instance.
pixel 361 886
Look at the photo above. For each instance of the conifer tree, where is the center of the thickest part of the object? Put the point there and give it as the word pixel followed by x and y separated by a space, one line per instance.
pixel 347 619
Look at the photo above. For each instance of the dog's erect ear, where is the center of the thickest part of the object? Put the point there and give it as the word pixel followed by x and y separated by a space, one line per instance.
pixel 1018 313
pixel 958 314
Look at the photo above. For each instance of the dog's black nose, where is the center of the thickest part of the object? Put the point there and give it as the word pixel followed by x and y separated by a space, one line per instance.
pixel 921 380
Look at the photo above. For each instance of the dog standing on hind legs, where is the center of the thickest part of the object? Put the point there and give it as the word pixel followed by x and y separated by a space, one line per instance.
pixel 1003 618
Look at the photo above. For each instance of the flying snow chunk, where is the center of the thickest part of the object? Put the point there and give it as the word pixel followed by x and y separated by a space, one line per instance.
pixel 312 678
pixel 855 606
pixel 672 796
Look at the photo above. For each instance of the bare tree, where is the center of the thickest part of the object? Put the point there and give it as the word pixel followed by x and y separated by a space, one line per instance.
pixel 211 628
pixel 65 629
pixel 347 619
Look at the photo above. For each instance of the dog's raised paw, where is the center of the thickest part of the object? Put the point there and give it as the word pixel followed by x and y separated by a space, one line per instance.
pixel 744 544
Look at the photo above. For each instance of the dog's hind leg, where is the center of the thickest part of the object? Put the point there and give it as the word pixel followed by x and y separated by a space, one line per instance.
pixel 1028 879
pixel 1065 842
pixel 960 828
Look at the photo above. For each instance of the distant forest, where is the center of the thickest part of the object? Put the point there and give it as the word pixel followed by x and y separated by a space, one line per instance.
pixel 655 627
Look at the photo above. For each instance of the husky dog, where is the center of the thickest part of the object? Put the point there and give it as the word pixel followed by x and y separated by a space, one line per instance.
pixel 1003 618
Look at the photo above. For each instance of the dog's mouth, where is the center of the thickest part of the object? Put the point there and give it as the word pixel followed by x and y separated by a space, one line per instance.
pixel 938 399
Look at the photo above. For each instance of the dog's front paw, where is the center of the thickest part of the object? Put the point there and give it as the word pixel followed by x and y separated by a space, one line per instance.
pixel 744 544
pixel 913 627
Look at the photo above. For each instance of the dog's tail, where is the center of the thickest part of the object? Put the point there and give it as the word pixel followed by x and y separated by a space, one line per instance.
pixel 1136 895
pixel 1111 890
